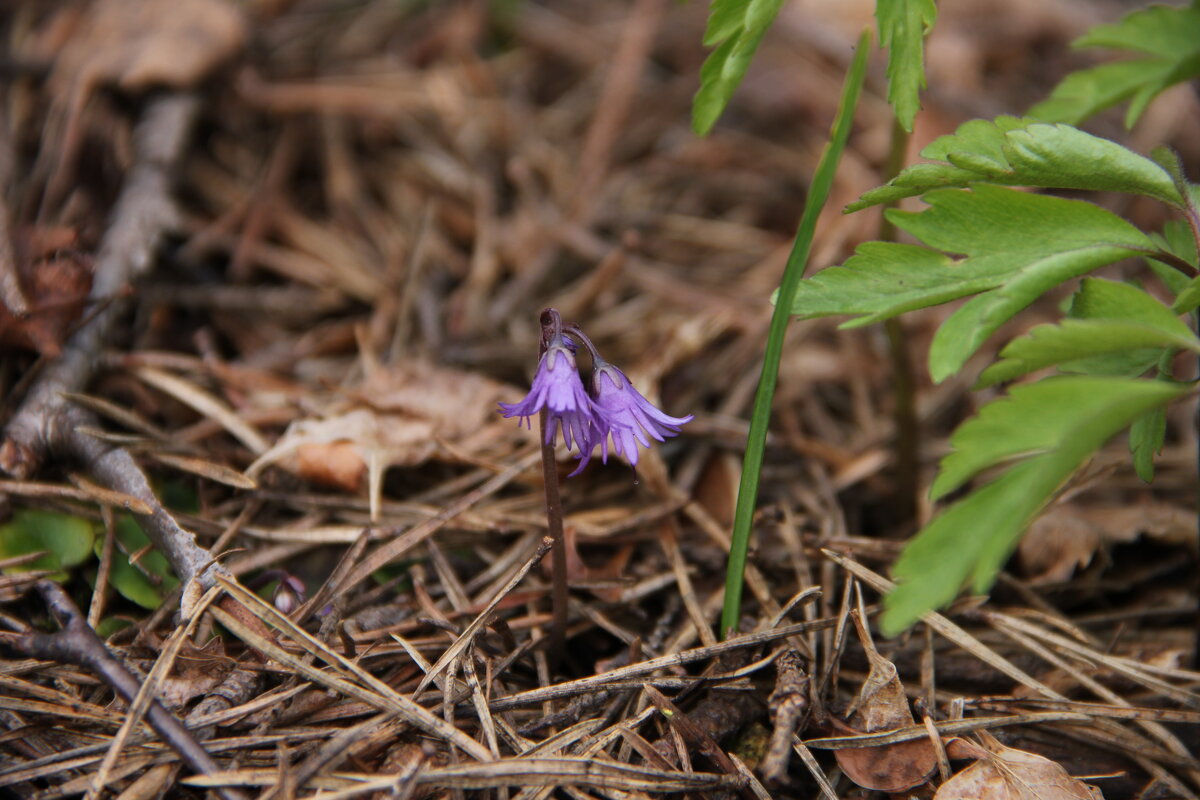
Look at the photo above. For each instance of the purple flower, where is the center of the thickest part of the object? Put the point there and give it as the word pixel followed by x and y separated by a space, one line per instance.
pixel 558 388
pixel 624 415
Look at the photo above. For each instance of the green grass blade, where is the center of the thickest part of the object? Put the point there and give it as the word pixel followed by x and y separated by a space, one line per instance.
pixel 735 28
pixel 818 195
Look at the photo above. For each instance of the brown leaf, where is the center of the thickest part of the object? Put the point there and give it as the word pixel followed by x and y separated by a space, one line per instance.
pixel 198 670
pixel 717 488
pixel 413 407
pixel 338 464
pixel 148 43
pixel 56 280
pixel 338 450
pixel 456 402
pixel 1069 536
pixel 883 706
pixel 1003 773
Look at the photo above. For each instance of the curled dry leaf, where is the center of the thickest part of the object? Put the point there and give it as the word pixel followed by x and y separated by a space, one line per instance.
pixel 1069 536
pixel 1004 773
pixel 198 670
pixel 398 417
pixel 883 706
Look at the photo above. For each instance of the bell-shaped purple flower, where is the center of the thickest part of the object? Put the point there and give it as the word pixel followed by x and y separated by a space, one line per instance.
pixel 625 416
pixel 558 388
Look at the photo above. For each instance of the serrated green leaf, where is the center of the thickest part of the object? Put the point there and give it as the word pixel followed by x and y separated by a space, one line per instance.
pixel 1013 152
pixel 1110 300
pixel 903 25
pixel 1181 71
pixel 1062 157
pixel 65 539
pixel 984 138
pixel 1156 31
pixel 725 18
pixel 938 561
pixel 1188 299
pixel 883 279
pixel 736 39
pixel 1147 433
pixel 1035 418
pixel 1071 340
pixel 1025 243
pixel 1146 437
pixel 1176 239
pixel 914 180
pixel 151 579
pixel 1054 426
pixel 1017 245
pixel 1098 298
pixel 1171 39
pixel 1087 92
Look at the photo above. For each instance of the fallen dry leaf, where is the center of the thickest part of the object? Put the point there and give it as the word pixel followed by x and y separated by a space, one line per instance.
pixel 197 671
pixel 1004 773
pixel 397 417
pixel 717 488
pixel 149 43
pixel 883 706
pixel 338 450
pixel 458 403
pixel 56 278
pixel 1068 536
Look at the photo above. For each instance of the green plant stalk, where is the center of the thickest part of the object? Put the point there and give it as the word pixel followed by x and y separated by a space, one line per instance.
pixel 1191 213
pixel 904 413
pixel 756 440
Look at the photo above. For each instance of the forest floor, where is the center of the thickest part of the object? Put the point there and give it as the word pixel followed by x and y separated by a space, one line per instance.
pixel 284 257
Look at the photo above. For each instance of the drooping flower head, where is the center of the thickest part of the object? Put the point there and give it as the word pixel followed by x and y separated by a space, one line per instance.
pixel 624 416
pixel 558 388
pixel 612 411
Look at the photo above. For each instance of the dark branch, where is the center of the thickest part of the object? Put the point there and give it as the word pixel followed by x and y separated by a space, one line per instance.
pixel 78 644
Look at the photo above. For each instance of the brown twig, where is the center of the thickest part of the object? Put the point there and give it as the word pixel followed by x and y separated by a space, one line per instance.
pixel 47 425
pixel 143 213
pixel 79 645
pixel 789 702
pixel 11 293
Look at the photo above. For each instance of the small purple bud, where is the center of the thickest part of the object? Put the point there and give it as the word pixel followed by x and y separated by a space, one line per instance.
pixel 289 594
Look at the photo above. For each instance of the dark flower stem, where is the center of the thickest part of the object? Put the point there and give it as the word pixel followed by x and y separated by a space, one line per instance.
pixel 576 333
pixel 551 328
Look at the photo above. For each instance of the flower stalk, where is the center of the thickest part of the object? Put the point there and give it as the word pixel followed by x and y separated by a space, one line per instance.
pixel 552 333
pixel 612 410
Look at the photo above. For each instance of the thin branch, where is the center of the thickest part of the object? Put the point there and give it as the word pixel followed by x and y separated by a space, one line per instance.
pixel 143 212
pixel 47 424
pixel 79 645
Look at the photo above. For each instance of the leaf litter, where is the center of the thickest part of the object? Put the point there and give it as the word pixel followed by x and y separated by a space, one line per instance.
pixel 376 203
